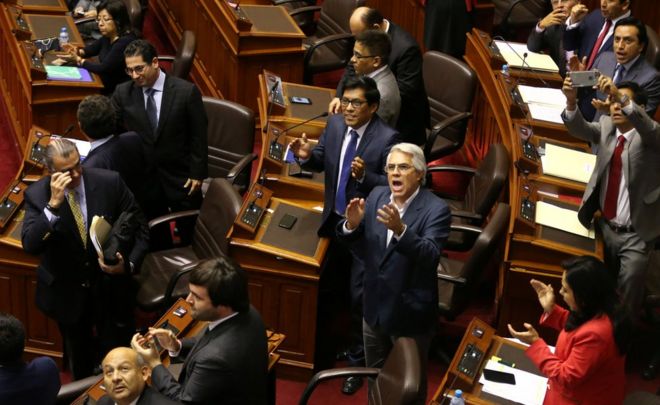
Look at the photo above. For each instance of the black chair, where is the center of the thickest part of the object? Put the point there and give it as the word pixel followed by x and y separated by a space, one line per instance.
pixel 161 278
pixel 397 383
pixel 514 18
pixel 304 20
pixel 185 56
pixel 330 44
pixel 70 391
pixel 450 104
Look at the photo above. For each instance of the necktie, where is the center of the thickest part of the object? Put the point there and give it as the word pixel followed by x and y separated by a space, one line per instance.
pixel 152 112
pixel 345 173
pixel 618 73
pixel 614 180
pixel 77 215
pixel 599 42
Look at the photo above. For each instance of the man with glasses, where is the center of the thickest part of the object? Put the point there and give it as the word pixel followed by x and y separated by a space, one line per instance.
pixel 74 286
pixel 352 152
pixel 169 115
pixel 398 233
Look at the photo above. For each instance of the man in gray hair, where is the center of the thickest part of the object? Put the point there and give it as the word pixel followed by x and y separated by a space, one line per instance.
pixel 402 229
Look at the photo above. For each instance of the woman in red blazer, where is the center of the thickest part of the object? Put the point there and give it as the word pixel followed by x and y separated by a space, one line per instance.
pixel 587 367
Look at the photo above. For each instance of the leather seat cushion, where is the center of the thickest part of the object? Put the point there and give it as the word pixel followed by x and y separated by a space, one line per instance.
pixel 158 267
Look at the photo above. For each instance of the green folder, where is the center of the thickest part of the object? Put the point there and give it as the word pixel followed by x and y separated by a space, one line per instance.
pixel 63 72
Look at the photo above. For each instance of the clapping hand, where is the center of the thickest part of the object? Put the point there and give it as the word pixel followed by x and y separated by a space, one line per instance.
pixel 354 213
pixel 301 147
pixel 145 346
pixel 530 336
pixel 545 294
pixel 388 214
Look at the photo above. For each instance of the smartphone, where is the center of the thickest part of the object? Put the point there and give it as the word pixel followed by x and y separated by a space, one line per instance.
pixel 499 376
pixel 300 100
pixel 587 78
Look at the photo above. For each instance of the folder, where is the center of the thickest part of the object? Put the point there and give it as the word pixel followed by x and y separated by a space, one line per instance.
pixel 561 218
pixel 514 52
pixel 568 163
pixel 99 231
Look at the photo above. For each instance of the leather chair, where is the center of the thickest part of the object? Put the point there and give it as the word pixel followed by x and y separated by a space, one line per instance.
pixel 457 279
pixel 450 104
pixel 230 141
pixel 185 56
pixel 511 17
pixel 161 278
pixel 305 20
pixel 653 50
pixel 482 192
pixel 135 15
pixel 397 383
pixel 70 391
pixel 330 45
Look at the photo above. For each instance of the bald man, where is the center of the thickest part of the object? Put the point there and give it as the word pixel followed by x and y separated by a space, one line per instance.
pixel 125 377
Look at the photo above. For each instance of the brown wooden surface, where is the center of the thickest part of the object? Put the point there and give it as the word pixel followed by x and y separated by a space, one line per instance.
pixel 41 6
pixel 227 61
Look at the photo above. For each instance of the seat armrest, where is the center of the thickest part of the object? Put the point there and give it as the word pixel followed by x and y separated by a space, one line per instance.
pixel 240 166
pixel 303 10
pixel 332 374
pixel 465 228
pixel 70 391
pixel 174 279
pixel 467 215
pixel 451 168
pixel 441 126
pixel 171 217
pixel 166 58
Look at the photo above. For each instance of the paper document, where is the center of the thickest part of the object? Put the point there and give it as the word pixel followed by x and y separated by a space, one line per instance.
pixel 529 389
pixel 543 112
pixel 514 52
pixel 98 233
pixel 561 218
pixel 542 95
pixel 568 163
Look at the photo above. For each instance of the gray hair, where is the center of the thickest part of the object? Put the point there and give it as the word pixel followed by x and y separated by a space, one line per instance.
pixel 59 147
pixel 417 154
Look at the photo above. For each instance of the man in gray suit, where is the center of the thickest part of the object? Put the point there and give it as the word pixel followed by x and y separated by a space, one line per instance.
pixel 625 184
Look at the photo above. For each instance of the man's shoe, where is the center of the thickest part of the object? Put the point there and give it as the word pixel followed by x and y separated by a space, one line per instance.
pixel 342 355
pixel 351 385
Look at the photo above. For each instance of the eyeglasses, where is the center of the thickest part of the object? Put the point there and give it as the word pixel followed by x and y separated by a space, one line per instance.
pixel 358 56
pixel 356 102
pixel 104 20
pixel 402 167
pixel 137 69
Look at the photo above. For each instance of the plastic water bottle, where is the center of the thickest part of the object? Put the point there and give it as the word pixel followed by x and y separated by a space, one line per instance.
pixel 505 70
pixel 458 394
pixel 64 36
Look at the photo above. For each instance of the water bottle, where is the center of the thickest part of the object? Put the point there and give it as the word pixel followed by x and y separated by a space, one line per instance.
pixel 64 36
pixel 505 70
pixel 458 394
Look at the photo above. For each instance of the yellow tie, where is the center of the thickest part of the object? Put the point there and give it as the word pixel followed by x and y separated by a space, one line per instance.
pixel 77 215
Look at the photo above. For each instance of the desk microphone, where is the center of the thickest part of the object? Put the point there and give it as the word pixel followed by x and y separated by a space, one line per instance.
pixel 276 150
pixel 525 65
pixel 271 96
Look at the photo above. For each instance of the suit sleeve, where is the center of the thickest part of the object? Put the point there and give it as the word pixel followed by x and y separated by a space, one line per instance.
pixel 579 128
pixel 556 319
pixel 119 109
pixel 653 90
pixel 572 38
pixel 535 41
pixel 36 227
pixel 113 61
pixel 198 124
pixel 376 176
pixel 409 73
pixel 127 203
pixel 648 129
pixel 426 246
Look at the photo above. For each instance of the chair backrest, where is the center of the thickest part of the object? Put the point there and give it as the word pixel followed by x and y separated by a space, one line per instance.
pixel 399 381
pixel 135 15
pixel 334 18
pixel 445 99
pixel 487 183
pixel 230 135
pixel 219 209
pixel 653 49
pixel 516 13
pixel 185 55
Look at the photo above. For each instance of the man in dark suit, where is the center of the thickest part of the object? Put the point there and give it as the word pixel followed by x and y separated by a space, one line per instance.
pixel 228 362
pixel 121 153
pixel 625 184
pixel 548 34
pixel 352 152
pixel 402 228
pixel 36 382
pixel 405 61
pixel 169 115
pixel 74 286
pixel 125 376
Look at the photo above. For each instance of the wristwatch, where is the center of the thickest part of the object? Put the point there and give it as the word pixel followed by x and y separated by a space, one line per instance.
pixel 52 209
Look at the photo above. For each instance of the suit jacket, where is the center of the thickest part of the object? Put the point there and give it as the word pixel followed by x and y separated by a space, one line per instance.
pixel 552 40
pixel 149 396
pixel 179 149
pixel 227 365
pixel 36 382
pixel 405 61
pixel 641 168
pixel 390 98
pixel 400 280
pixel 65 264
pixel 586 367
pixel 583 38
pixel 373 148
pixel 123 154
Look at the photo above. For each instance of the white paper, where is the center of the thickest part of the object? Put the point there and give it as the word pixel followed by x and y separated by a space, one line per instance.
pixel 568 163
pixel 542 95
pixel 543 112
pixel 529 389
pixel 514 52
pixel 561 218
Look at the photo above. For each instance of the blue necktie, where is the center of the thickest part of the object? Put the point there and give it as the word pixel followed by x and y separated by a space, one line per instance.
pixel 618 74
pixel 345 173
pixel 152 112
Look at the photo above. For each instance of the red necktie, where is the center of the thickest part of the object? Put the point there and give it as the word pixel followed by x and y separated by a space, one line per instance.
pixel 468 5
pixel 599 42
pixel 614 180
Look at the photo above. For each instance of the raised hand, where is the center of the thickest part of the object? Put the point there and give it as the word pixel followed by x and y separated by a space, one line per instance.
pixel 146 348
pixel 354 212
pixel 545 294
pixel 530 336
pixel 335 106
pixel 301 147
pixel 357 168
pixel 570 92
pixel 578 12
pixel 388 214
pixel 577 65
pixel 556 17
pixel 58 183
pixel 166 338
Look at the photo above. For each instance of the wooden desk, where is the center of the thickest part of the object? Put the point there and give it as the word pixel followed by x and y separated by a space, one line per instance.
pixel 184 326
pixel 46 103
pixel 228 60
pixel 40 6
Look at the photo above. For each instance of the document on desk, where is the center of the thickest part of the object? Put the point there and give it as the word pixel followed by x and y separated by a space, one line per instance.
pixel 514 52
pixel 546 112
pixel 568 163
pixel 544 104
pixel 529 389
pixel 561 218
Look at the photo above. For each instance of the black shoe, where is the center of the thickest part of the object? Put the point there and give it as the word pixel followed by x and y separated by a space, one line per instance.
pixel 342 355
pixel 351 385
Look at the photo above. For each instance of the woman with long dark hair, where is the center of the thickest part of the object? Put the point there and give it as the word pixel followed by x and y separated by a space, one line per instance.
pixel 115 28
pixel 587 366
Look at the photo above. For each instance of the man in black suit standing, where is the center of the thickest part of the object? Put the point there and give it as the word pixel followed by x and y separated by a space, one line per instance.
pixel 74 286
pixel 228 362
pixel 405 61
pixel 169 115
pixel 121 153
